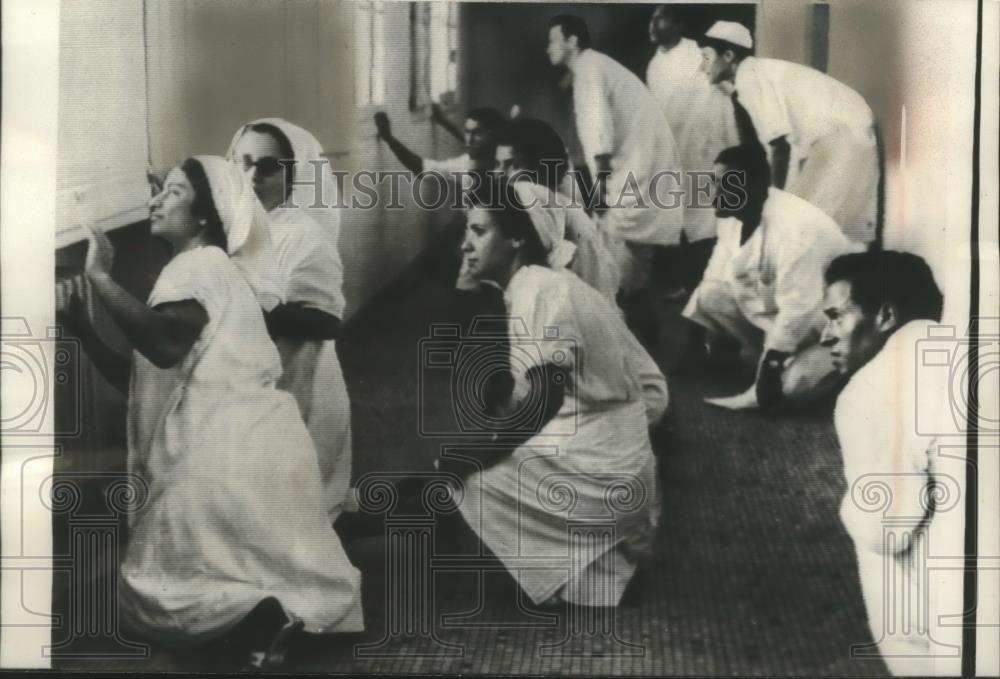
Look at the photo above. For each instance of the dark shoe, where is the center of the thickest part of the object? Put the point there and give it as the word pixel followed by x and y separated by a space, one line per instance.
pixel 274 657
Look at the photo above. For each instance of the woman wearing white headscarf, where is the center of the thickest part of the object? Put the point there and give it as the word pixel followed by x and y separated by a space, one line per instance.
pixel 304 226
pixel 588 457
pixel 232 517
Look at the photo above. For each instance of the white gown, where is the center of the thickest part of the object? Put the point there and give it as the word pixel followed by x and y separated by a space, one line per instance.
pixel 591 463
pixel 310 268
pixel 234 512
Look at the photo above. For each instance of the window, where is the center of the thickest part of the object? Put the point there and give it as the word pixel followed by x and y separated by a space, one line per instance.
pixel 443 50
pixel 434 45
pixel 369 52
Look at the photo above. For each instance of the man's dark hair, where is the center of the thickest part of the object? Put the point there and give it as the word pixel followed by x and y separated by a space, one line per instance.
pixel 497 195
pixel 751 161
pixel 572 25
pixel 881 277
pixel 721 46
pixel 488 117
pixel 541 147
pixel 203 205
pixel 668 11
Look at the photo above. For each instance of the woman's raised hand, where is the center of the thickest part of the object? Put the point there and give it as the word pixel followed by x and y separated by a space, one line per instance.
pixel 382 126
pixel 100 253
pixel 155 179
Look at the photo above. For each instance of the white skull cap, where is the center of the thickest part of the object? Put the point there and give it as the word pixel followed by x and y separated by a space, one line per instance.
pixel 731 32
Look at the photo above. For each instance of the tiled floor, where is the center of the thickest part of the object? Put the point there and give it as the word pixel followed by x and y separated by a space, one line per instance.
pixel 753 573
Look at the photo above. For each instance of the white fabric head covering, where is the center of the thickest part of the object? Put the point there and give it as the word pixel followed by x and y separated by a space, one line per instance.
pixel 731 32
pixel 549 219
pixel 308 160
pixel 244 221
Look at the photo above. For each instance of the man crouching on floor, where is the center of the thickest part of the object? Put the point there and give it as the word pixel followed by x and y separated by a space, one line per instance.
pixel 878 305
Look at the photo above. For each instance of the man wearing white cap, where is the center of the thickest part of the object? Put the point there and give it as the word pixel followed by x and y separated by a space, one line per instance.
pixel 701 120
pixel 821 133
pixel 628 142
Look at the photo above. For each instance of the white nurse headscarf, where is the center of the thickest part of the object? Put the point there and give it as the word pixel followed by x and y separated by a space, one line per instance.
pixel 244 221
pixel 318 198
pixel 549 220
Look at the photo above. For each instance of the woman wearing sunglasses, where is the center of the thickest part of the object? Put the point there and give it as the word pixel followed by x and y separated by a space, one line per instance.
pixel 282 160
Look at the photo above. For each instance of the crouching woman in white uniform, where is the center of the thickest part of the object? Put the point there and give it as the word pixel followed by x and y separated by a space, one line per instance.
pixel 304 226
pixel 234 515
pixel 590 463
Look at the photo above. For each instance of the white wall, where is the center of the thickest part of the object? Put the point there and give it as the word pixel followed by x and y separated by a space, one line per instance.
pixel 215 65
pixel 190 72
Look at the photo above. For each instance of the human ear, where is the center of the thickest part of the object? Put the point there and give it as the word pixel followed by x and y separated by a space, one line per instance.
pixel 887 318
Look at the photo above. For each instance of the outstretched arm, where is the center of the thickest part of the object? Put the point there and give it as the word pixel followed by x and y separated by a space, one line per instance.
pixel 410 160
pixel 76 323
pixel 164 334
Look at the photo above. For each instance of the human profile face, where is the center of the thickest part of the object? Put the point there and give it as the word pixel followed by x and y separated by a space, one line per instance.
pixel 852 336
pixel 258 154
pixel 170 214
pixel 511 162
pixel 479 140
pixel 560 47
pixel 664 28
pixel 717 67
pixel 488 254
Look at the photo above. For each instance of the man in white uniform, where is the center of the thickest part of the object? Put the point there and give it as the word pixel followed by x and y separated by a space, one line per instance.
pixel 481 127
pixel 878 305
pixel 763 286
pixel 627 142
pixel 820 132
pixel 702 122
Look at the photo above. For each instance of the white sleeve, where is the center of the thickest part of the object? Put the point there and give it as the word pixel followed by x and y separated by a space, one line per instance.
pixel 448 165
pixel 194 275
pixel 762 99
pixel 798 294
pixel 594 120
pixel 543 328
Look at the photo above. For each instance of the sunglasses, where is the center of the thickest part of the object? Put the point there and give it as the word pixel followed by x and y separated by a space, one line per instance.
pixel 267 166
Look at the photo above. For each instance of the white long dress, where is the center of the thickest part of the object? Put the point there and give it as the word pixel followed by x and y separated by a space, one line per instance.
pixel 590 466
pixel 234 512
pixel 310 268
